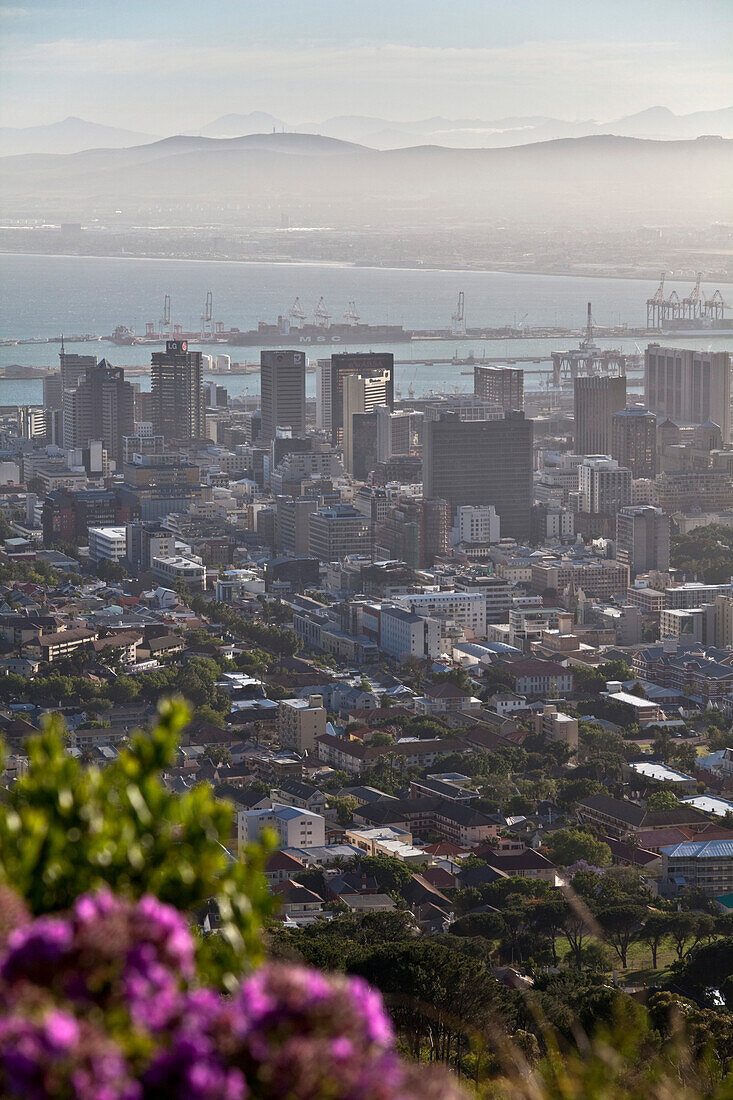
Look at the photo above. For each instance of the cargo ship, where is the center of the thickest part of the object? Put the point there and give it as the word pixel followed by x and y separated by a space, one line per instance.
pixel 284 335
pixel 293 329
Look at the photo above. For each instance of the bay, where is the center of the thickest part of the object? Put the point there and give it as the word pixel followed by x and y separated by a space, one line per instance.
pixel 43 296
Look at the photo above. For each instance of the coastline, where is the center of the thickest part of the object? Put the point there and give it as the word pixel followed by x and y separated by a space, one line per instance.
pixel 493 270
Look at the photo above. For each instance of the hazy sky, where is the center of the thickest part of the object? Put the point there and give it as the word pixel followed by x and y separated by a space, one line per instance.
pixel 167 65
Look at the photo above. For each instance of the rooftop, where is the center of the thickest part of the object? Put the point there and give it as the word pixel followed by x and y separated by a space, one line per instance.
pixel 707 849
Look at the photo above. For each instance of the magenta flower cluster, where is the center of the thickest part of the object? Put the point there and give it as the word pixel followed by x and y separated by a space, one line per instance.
pixel 102 1005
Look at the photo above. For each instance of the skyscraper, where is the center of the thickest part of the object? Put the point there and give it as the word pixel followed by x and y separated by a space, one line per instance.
pixel 323 394
pixel 634 440
pixel 394 432
pixel 642 538
pixel 282 391
pixel 499 385
pixel 481 462
pixel 362 394
pixel 355 363
pixel 179 410
pixel 688 386
pixel 605 487
pixel 596 399
pixel 74 367
pixel 101 407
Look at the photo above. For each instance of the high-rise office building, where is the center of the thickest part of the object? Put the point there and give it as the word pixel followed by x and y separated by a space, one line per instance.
pixel 158 484
pixel 690 387
pixel 362 394
pixel 414 531
pixel 74 367
pixel 282 391
pixel 596 399
pixel 394 433
pixel 53 392
pixel 347 363
pixel 499 385
pixel 101 407
pixel 481 462
pixel 323 394
pixel 642 539
pixel 634 440
pixel 179 409
pixel 604 486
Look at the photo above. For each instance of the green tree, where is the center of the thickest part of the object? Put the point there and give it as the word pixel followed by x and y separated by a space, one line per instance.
pixel 568 846
pixel 218 754
pixel 662 800
pixel 683 929
pixel 653 932
pixel 620 923
pixel 706 552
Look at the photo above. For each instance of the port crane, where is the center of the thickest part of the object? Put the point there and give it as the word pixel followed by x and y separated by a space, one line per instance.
pixel 297 315
pixel 458 319
pixel 351 317
pixel 207 322
pixel 321 316
pixel 653 305
pixel 164 323
pixel 692 304
pixel 715 307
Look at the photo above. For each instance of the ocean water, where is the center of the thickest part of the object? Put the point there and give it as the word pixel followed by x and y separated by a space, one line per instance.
pixel 44 296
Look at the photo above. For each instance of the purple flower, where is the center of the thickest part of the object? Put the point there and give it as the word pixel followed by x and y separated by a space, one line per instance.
pixel 61 1031
pixel 370 1007
pixel 33 950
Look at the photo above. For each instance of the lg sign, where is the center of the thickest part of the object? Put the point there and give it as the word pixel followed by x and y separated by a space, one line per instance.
pixel 176 345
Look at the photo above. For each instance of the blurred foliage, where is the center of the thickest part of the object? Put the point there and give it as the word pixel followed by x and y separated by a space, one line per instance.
pixel 66 829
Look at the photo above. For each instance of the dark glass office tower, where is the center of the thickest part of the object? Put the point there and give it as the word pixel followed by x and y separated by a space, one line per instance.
pixel 179 410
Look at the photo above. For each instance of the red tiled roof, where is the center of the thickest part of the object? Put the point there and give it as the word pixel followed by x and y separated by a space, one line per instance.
pixel 282 861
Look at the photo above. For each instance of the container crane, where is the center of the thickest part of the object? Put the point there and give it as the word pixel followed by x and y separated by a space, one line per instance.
pixel 165 321
pixel 297 315
pixel 458 319
pixel 207 324
pixel 321 316
pixel 351 317
pixel 654 305
pixel 692 304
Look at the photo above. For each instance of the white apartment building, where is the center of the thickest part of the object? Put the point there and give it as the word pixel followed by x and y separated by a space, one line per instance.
pixel 475 523
pixel 107 543
pixel 603 485
pixel 299 722
pixel 167 571
pixel 404 633
pixel 294 827
pixel 467 609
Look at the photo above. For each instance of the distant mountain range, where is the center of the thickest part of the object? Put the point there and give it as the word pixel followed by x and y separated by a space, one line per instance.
pixel 602 181
pixel 657 123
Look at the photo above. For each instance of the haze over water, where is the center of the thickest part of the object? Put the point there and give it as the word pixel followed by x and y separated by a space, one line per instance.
pixel 47 295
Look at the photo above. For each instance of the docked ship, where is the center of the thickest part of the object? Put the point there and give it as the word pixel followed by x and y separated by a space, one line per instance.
pixel 295 330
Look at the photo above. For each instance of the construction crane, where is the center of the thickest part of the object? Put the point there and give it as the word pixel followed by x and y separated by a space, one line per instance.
pixel 165 321
pixel 458 319
pixel 207 324
pixel 321 316
pixel 351 317
pixel 297 315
